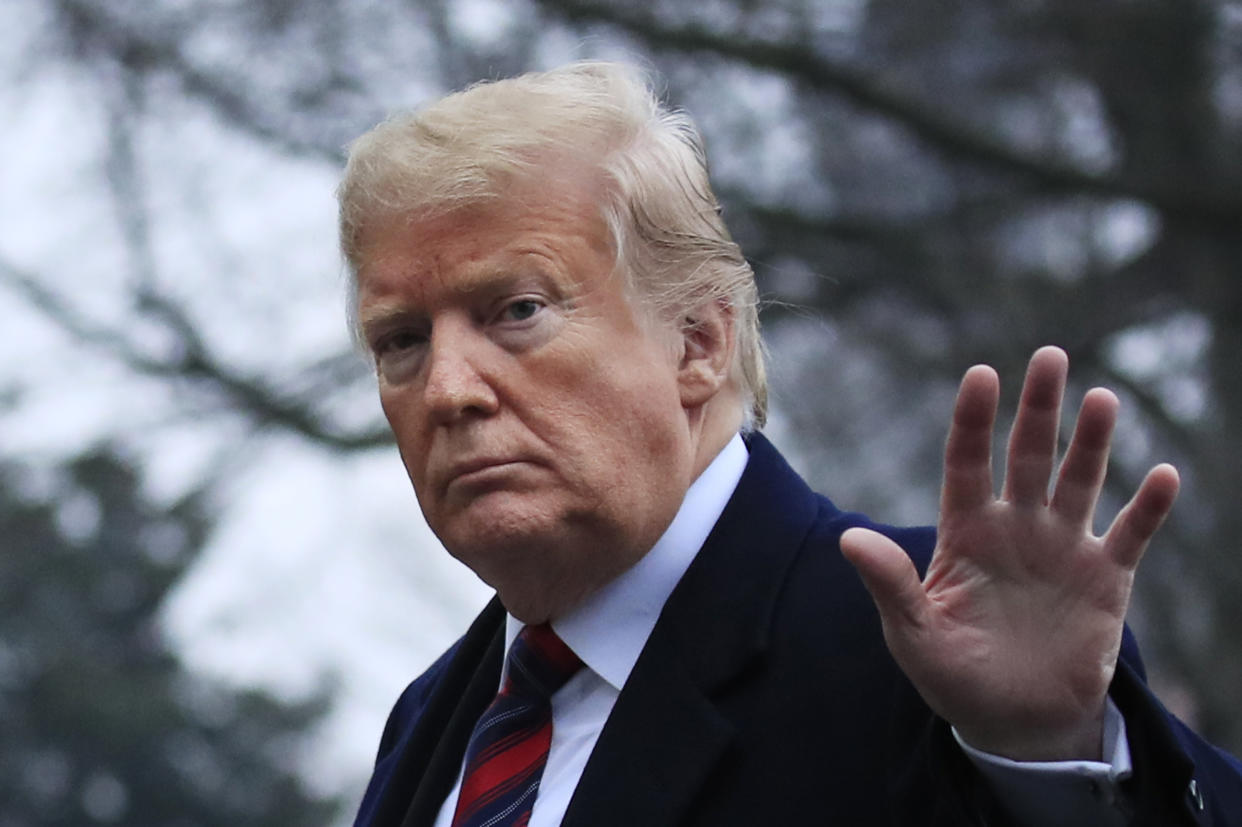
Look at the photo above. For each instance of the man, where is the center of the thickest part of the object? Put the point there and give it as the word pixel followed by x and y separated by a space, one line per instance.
pixel 566 345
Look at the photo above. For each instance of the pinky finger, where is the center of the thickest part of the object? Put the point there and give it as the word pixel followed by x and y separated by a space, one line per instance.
pixel 1134 527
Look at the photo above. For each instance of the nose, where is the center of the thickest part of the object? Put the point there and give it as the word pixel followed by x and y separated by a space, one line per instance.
pixel 457 374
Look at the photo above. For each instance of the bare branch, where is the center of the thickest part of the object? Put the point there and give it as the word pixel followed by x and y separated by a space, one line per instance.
pixel 140 53
pixel 195 363
pixel 931 122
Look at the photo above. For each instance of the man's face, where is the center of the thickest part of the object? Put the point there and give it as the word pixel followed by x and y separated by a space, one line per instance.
pixel 537 412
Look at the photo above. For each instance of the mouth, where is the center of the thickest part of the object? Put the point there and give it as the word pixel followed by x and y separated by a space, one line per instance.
pixel 482 471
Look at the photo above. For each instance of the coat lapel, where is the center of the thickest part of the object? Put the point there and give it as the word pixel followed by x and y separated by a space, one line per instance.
pixel 669 727
pixel 629 782
pixel 430 760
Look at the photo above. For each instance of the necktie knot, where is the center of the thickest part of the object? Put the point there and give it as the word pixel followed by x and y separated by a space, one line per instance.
pixel 539 663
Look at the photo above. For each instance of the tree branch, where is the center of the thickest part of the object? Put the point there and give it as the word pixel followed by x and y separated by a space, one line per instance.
pixel 933 124
pixel 195 363
pixel 140 53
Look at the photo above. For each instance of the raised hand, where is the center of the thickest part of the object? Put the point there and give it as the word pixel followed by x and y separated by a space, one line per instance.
pixel 1014 633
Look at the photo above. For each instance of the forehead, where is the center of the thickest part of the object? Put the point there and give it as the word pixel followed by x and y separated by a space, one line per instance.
pixel 558 233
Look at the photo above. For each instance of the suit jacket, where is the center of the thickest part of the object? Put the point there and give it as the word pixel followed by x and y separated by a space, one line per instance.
pixel 766 695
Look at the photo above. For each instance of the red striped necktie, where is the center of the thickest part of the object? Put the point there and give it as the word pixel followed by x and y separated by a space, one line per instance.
pixel 509 746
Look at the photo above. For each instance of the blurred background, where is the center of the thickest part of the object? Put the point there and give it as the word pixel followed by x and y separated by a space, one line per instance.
pixel 214 579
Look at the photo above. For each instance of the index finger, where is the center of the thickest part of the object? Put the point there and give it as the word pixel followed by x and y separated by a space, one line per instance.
pixel 968 451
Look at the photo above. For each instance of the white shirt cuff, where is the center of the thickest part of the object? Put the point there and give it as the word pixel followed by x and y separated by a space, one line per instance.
pixel 1062 793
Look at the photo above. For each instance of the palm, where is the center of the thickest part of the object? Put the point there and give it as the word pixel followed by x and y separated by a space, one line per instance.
pixel 1013 634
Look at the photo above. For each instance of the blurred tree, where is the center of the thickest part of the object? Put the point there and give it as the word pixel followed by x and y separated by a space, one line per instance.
pixel 920 187
pixel 98 722
pixel 998 176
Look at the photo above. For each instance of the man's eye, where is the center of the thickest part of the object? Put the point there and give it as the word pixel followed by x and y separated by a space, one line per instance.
pixel 521 310
pixel 398 342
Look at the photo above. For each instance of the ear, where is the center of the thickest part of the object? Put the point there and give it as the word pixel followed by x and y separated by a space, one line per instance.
pixel 707 343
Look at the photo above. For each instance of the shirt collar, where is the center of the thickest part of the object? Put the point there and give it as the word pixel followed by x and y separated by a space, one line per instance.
pixel 609 629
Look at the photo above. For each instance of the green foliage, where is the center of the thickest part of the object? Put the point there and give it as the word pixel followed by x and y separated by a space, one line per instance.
pixel 98 722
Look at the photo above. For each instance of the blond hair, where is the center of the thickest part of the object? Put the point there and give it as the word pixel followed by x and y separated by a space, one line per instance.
pixel 670 242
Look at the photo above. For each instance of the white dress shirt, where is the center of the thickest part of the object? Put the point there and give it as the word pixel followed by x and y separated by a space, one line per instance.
pixel 609 630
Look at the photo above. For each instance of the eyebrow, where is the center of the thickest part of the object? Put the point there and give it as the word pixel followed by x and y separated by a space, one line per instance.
pixel 382 314
pixel 501 274
pixel 489 275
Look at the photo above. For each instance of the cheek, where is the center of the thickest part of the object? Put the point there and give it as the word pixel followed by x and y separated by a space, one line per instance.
pixel 626 432
pixel 394 412
pixel 404 424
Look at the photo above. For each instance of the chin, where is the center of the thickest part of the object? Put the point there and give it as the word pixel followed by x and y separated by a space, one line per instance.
pixel 539 569
pixel 491 539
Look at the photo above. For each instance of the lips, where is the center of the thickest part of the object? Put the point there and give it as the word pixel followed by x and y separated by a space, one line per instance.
pixel 481 469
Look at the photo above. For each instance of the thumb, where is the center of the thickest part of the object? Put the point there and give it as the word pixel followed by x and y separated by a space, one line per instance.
pixel 889 575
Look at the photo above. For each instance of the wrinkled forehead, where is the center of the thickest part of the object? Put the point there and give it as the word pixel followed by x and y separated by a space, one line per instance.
pixel 563 188
pixel 558 179
pixel 555 234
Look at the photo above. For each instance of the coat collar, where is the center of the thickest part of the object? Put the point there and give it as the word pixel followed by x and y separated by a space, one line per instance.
pixel 668 730
pixel 431 758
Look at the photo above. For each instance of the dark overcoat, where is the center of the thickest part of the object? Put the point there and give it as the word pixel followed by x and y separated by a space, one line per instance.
pixel 766 696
